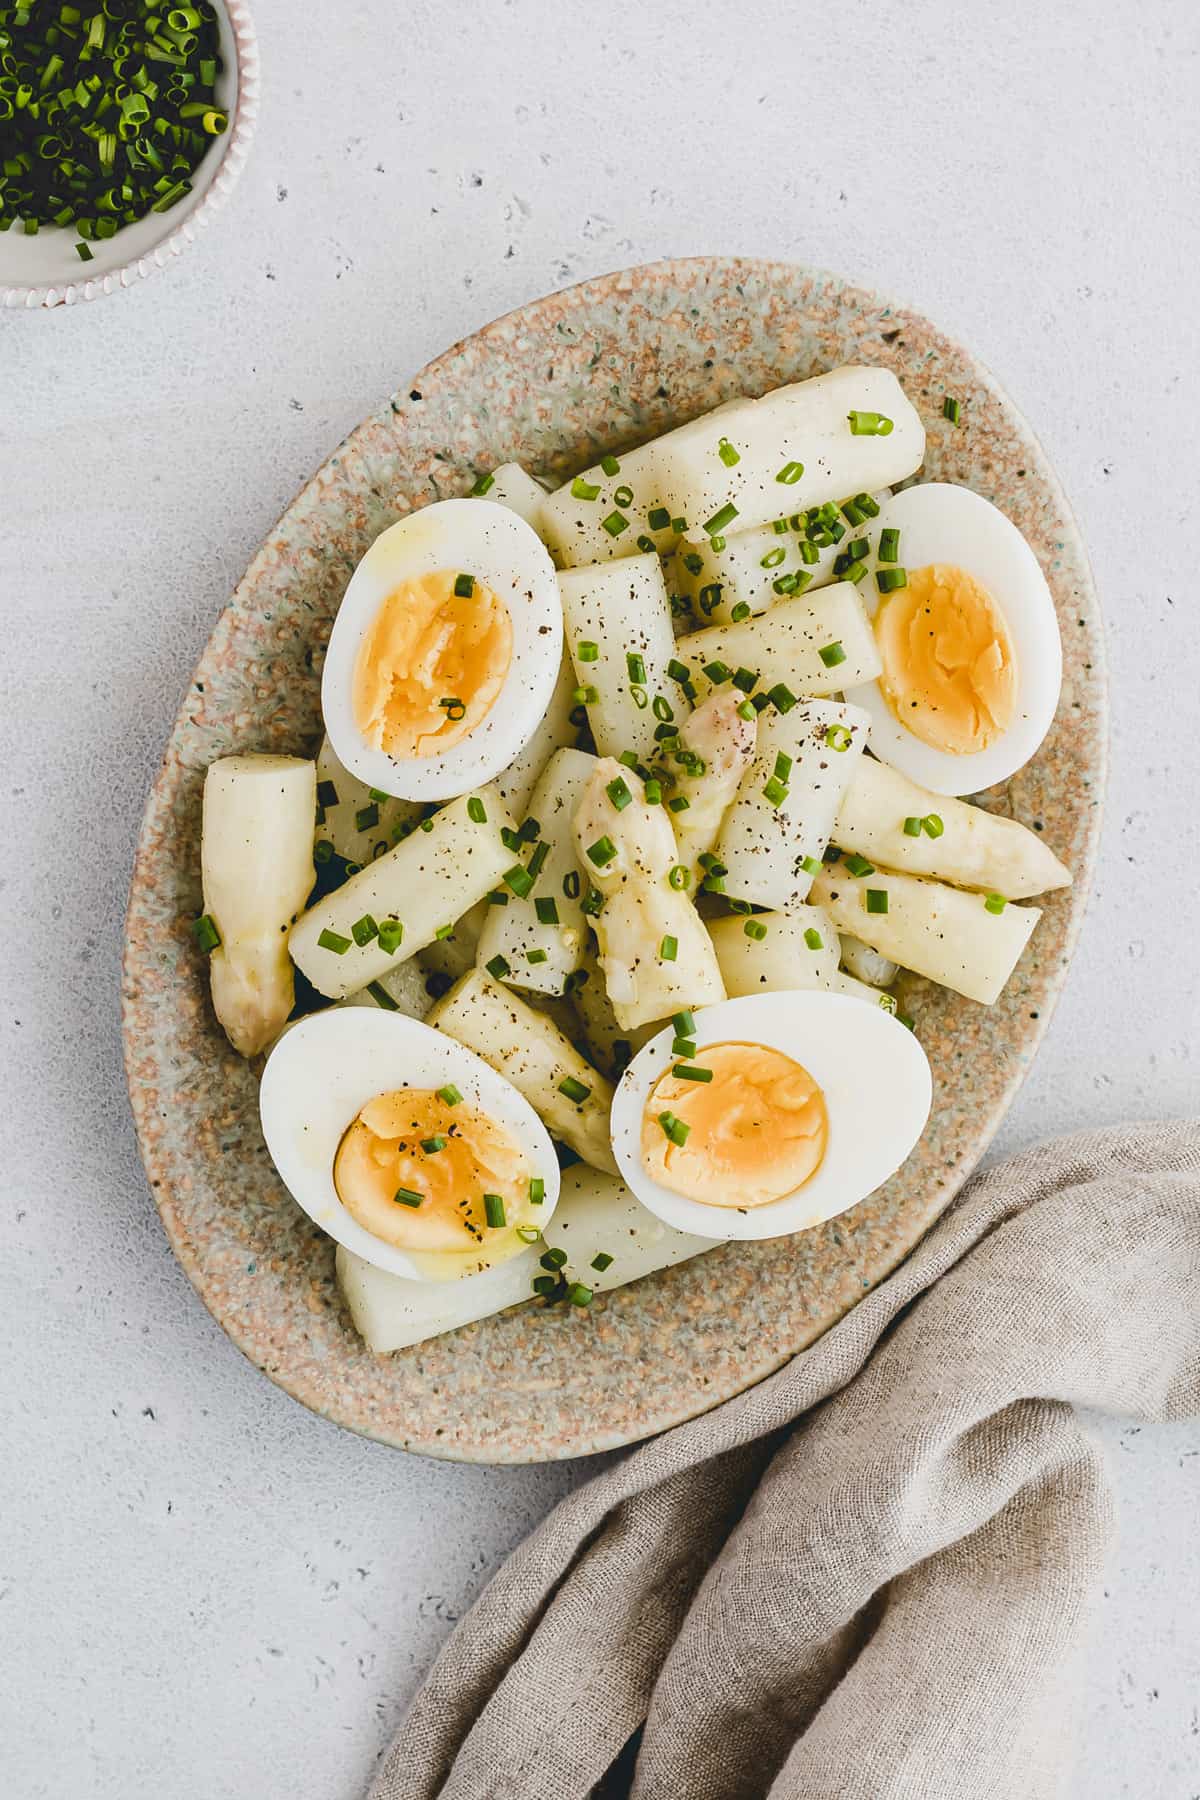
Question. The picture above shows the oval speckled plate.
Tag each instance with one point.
(600, 367)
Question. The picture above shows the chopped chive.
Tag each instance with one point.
(592, 904)
(601, 1261)
(528, 1234)
(443, 932)
(839, 737)
(790, 473)
(755, 930)
(571, 884)
(574, 1091)
(740, 611)
(496, 898)
(518, 879)
(553, 1259)
(724, 515)
(747, 710)
(727, 453)
(713, 884)
(658, 518)
(538, 860)
(464, 586)
(546, 1286)
(493, 1211)
(746, 680)
(618, 792)
(483, 485)
(583, 490)
(679, 527)
(546, 910)
(668, 950)
(333, 940)
(623, 496)
(407, 1197)
(933, 825)
(683, 1046)
(537, 1190)
(692, 563)
(773, 558)
(887, 580)
(868, 505)
(204, 930)
(381, 997)
(366, 817)
(889, 544)
(449, 1095)
(678, 671)
(850, 570)
(678, 803)
(391, 936)
(512, 840)
(610, 465)
(952, 410)
(995, 903)
(476, 810)
(586, 651)
(776, 792)
(689, 1072)
(877, 900)
(674, 1128)
(431, 1145)
(586, 696)
(832, 654)
(454, 708)
(912, 826)
(602, 852)
(639, 696)
(327, 794)
(684, 1023)
(364, 930)
(679, 876)
(498, 968)
(813, 938)
(869, 424)
(710, 595)
(718, 672)
(858, 865)
(662, 709)
(531, 830)
(615, 524)
(646, 545)
(811, 865)
(579, 1294)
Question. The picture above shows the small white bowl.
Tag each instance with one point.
(46, 270)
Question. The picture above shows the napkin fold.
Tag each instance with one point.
(867, 1577)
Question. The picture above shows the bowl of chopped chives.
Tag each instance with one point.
(124, 125)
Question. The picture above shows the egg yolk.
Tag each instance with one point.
(431, 664)
(755, 1132)
(414, 1171)
(949, 672)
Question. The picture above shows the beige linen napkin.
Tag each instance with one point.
(865, 1578)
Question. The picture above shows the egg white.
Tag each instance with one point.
(324, 1070)
(877, 1087)
(941, 523)
(495, 545)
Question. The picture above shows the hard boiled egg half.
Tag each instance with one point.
(966, 631)
(769, 1114)
(444, 652)
(404, 1146)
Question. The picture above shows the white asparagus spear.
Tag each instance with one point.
(353, 819)
(785, 645)
(426, 883)
(724, 740)
(610, 1047)
(656, 955)
(556, 732)
(777, 828)
(972, 848)
(751, 570)
(799, 950)
(792, 448)
(541, 936)
(527, 1047)
(256, 860)
(866, 964)
(597, 1215)
(619, 634)
(514, 487)
(938, 931)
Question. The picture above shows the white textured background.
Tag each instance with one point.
(205, 1593)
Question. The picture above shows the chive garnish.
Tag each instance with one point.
(869, 424)
(888, 580)
(453, 707)
(933, 825)
(366, 817)
(381, 997)
(747, 710)
(773, 558)
(877, 900)
(684, 1023)
(858, 865)
(889, 544)
(498, 968)
(322, 851)
(493, 1211)
(668, 950)
(740, 611)
(364, 930)
(790, 473)
(586, 651)
(746, 680)
(912, 825)
(586, 696)
(571, 884)
(391, 935)
(553, 1259)
(327, 794)
(755, 930)
(204, 930)
(443, 932)
(674, 1128)
(679, 876)
(615, 524)
(952, 410)
(464, 586)
(546, 910)
(483, 485)
(583, 490)
(618, 792)
(610, 465)
(639, 696)
(775, 792)
(995, 903)
(431, 1145)
(832, 654)
(662, 709)
(678, 803)
(718, 672)
(724, 515)
(575, 1091)
(813, 938)
(450, 1094)
(811, 865)
(407, 1197)
(592, 904)
(333, 940)
(528, 1234)
(519, 880)
(839, 737)
(579, 1294)
(601, 1261)
(537, 1190)
(689, 1072)
(658, 518)
(476, 810)
(535, 956)
(601, 852)
(683, 1046)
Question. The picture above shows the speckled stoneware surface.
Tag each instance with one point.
(597, 368)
